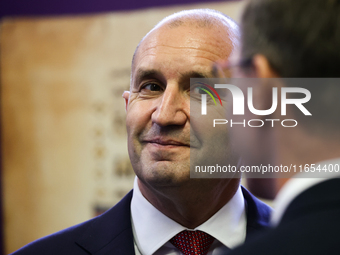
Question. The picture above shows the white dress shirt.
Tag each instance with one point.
(152, 230)
(298, 184)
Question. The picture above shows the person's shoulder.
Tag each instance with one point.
(293, 238)
(278, 241)
(96, 230)
(61, 242)
(258, 245)
(313, 232)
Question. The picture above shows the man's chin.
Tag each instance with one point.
(164, 174)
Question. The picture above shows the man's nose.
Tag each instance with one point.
(173, 108)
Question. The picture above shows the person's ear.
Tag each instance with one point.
(262, 67)
(126, 95)
(263, 94)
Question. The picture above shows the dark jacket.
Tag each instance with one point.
(310, 225)
(111, 232)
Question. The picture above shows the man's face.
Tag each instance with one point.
(158, 109)
(254, 144)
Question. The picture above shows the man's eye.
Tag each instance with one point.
(201, 90)
(152, 87)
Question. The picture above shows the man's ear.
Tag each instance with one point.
(126, 95)
(263, 94)
(263, 68)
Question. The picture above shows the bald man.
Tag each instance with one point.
(168, 212)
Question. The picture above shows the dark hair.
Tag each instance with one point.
(300, 38)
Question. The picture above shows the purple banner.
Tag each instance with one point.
(70, 7)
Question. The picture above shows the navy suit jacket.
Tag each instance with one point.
(310, 225)
(111, 232)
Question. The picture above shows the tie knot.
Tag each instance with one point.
(192, 242)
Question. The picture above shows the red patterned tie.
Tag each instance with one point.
(192, 242)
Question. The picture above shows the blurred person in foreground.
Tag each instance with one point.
(290, 39)
(167, 212)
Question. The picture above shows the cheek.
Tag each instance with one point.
(137, 118)
(202, 126)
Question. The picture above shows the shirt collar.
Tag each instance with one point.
(152, 229)
(298, 184)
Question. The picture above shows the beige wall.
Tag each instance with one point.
(63, 118)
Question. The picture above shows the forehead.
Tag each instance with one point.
(184, 47)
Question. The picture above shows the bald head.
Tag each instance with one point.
(198, 18)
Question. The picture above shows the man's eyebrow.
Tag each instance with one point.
(185, 77)
(142, 73)
(196, 74)
(152, 73)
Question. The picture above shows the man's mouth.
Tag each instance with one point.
(166, 142)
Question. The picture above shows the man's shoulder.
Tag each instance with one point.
(296, 237)
(89, 236)
(61, 242)
(296, 234)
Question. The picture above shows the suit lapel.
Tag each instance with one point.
(258, 213)
(111, 232)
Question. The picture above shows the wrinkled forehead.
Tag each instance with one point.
(216, 38)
